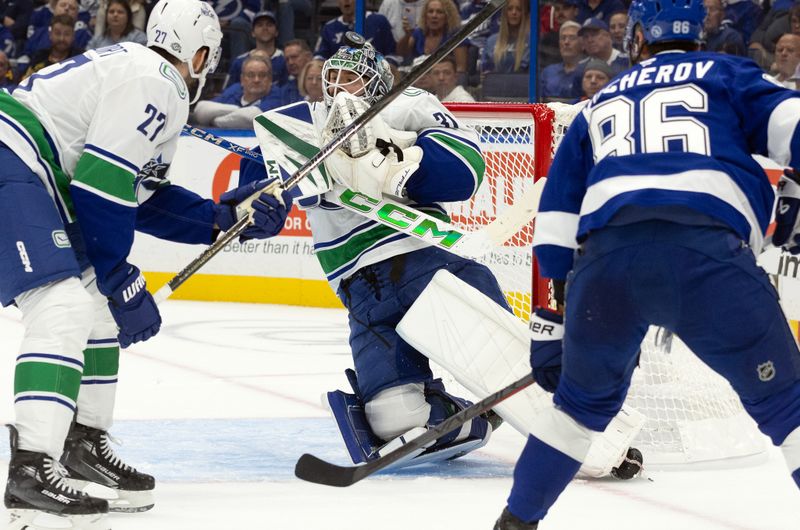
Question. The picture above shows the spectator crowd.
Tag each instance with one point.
(272, 54)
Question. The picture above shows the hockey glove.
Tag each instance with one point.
(269, 213)
(787, 220)
(132, 307)
(547, 331)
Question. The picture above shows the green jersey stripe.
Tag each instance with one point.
(106, 179)
(46, 377)
(101, 361)
(27, 119)
(470, 155)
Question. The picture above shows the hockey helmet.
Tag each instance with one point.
(360, 57)
(666, 20)
(182, 27)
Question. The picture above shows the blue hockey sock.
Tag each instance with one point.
(540, 476)
(796, 476)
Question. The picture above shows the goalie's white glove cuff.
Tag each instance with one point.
(375, 173)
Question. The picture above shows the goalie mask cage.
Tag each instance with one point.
(693, 415)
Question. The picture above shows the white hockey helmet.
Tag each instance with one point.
(360, 57)
(181, 28)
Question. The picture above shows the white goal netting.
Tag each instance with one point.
(692, 413)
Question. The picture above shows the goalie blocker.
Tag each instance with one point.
(485, 347)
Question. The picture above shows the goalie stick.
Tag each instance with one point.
(345, 134)
(313, 469)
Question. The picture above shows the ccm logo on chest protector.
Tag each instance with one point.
(133, 289)
(23, 256)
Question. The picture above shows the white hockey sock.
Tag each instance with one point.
(791, 450)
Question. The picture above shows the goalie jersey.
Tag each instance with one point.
(87, 126)
(451, 169)
(674, 108)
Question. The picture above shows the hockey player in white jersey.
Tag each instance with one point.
(654, 210)
(84, 146)
(414, 151)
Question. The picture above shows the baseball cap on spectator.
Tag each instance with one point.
(265, 14)
(593, 23)
(599, 65)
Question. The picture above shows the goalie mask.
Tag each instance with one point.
(358, 69)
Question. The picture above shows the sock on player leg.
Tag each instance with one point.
(791, 452)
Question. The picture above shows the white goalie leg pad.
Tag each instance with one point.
(57, 318)
(487, 348)
(397, 410)
(610, 446)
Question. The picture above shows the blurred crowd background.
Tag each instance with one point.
(273, 49)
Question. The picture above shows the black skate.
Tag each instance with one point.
(631, 465)
(37, 485)
(507, 521)
(89, 458)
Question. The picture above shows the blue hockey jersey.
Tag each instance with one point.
(676, 130)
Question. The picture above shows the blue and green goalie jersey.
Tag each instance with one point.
(676, 108)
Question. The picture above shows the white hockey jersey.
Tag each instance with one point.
(451, 170)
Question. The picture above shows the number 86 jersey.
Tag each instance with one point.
(671, 137)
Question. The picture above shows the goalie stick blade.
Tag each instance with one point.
(313, 469)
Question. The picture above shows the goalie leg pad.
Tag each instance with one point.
(485, 348)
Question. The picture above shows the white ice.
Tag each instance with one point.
(223, 401)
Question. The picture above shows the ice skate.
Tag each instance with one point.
(90, 460)
(38, 496)
(507, 521)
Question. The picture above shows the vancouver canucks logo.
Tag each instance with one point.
(766, 371)
(170, 73)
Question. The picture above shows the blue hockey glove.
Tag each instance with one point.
(547, 331)
(268, 212)
(132, 307)
(787, 220)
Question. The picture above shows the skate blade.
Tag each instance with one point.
(119, 501)
(37, 520)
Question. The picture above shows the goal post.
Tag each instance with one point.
(692, 413)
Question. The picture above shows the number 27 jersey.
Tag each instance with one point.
(676, 130)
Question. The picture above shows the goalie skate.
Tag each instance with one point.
(39, 497)
(90, 460)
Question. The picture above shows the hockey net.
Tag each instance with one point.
(692, 413)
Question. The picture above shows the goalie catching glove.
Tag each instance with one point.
(377, 159)
(787, 212)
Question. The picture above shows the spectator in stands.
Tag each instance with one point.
(508, 50)
(17, 17)
(265, 31)
(138, 17)
(478, 39)
(297, 54)
(599, 9)
(596, 40)
(401, 14)
(118, 26)
(721, 37)
(425, 82)
(376, 30)
(41, 16)
(241, 102)
(563, 11)
(558, 81)
(794, 19)
(616, 26)
(236, 18)
(6, 74)
(8, 44)
(787, 58)
(596, 75)
(287, 9)
(566, 10)
(39, 39)
(744, 16)
(439, 19)
(774, 24)
(445, 82)
(310, 81)
(62, 39)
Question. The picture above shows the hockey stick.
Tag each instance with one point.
(345, 134)
(313, 469)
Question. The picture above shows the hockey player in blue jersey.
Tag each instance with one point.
(377, 272)
(653, 213)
